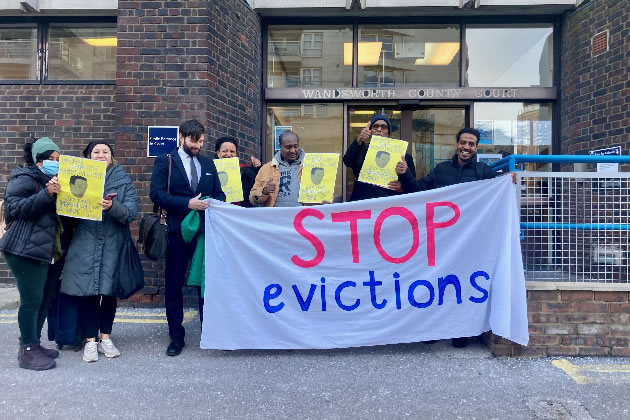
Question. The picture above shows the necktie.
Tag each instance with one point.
(194, 179)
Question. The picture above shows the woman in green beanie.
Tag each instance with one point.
(31, 243)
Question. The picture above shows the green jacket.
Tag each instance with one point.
(190, 228)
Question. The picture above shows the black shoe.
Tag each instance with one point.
(175, 348)
(459, 342)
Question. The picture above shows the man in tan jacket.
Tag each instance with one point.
(278, 182)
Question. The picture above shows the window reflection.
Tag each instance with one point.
(514, 128)
(308, 58)
(18, 53)
(514, 55)
(410, 56)
(434, 136)
(82, 53)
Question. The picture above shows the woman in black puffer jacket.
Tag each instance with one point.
(31, 243)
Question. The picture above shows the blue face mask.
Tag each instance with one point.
(50, 167)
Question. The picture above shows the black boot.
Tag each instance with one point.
(50, 353)
(459, 342)
(31, 357)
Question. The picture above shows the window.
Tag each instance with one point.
(53, 51)
(18, 53)
(514, 128)
(409, 55)
(312, 44)
(378, 78)
(81, 53)
(314, 110)
(509, 55)
(386, 41)
(311, 77)
(297, 58)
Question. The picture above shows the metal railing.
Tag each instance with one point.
(575, 226)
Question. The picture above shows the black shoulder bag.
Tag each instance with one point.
(153, 232)
(129, 272)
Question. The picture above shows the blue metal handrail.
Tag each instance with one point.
(575, 226)
(511, 161)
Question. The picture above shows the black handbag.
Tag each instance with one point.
(130, 272)
(153, 232)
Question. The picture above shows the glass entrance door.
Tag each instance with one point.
(430, 132)
(433, 136)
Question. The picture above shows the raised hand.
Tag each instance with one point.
(365, 134)
(401, 167)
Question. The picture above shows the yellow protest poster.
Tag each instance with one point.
(319, 172)
(229, 173)
(379, 167)
(82, 182)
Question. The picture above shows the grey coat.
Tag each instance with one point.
(92, 259)
(30, 210)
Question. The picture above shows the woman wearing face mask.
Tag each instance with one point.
(227, 147)
(31, 243)
(93, 256)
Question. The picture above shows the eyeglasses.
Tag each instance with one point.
(381, 126)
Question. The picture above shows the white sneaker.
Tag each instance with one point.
(90, 354)
(108, 348)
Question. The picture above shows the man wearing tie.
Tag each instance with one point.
(192, 176)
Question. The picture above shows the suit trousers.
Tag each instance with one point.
(178, 256)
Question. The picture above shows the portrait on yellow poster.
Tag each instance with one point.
(82, 182)
(229, 173)
(379, 167)
(319, 173)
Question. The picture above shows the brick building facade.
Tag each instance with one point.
(595, 90)
(177, 61)
(174, 61)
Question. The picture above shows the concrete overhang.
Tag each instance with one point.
(384, 8)
(58, 7)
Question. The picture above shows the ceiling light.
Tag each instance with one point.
(438, 54)
(101, 42)
(369, 53)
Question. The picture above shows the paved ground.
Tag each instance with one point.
(9, 297)
(400, 381)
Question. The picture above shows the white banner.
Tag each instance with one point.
(426, 266)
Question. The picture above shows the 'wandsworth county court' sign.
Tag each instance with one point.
(418, 93)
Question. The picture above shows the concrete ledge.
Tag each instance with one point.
(600, 287)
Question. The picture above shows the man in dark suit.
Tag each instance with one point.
(192, 176)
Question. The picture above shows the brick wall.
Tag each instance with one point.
(179, 60)
(235, 60)
(573, 322)
(71, 115)
(595, 91)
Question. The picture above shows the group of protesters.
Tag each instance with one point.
(51, 255)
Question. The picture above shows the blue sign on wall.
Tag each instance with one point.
(162, 139)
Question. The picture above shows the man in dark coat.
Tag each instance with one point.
(379, 125)
(463, 167)
(193, 176)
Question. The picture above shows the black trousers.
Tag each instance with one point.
(97, 314)
(178, 256)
